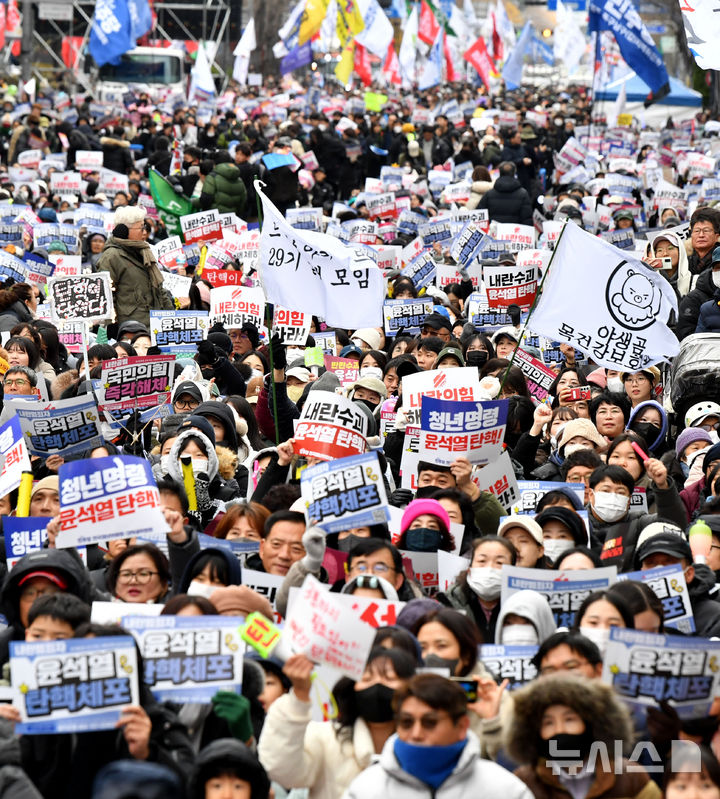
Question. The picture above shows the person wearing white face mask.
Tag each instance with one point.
(525, 620)
(613, 524)
(562, 530)
(599, 613)
(477, 592)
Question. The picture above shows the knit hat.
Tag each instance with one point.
(713, 454)
(419, 506)
(689, 436)
(526, 522)
(221, 340)
(239, 600)
(200, 423)
(584, 428)
(598, 378)
(50, 483)
(414, 610)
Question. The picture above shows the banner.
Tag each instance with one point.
(14, 454)
(608, 305)
(452, 430)
(330, 427)
(646, 669)
(318, 274)
(110, 32)
(327, 631)
(564, 590)
(344, 493)
(76, 685)
(106, 498)
(85, 298)
(59, 427)
(188, 659)
(136, 382)
(168, 328)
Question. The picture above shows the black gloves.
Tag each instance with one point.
(279, 357)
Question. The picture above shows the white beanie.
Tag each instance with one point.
(129, 215)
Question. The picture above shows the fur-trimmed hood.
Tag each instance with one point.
(597, 704)
(227, 462)
(109, 141)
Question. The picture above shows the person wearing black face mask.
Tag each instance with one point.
(425, 527)
(564, 731)
(477, 349)
(298, 752)
(649, 420)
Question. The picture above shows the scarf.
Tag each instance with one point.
(430, 764)
(148, 258)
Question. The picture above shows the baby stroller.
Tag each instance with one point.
(695, 373)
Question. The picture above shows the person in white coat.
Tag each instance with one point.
(434, 753)
(325, 757)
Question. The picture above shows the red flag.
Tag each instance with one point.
(362, 64)
(391, 67)
(497, 41)
(2, 25)
(452, 74)
(479, 57)
(12, 19)
(428, 26)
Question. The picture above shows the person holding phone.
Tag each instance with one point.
(667, 254)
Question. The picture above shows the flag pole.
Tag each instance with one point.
(532, 307)
(268, 325)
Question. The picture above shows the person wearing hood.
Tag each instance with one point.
(140, 780)
(223, 188)
(117, 155)
(699, 484)
(564, 712)
(434, 752)
(93, 247)
(196, 438)
(525, 620)
(670, 547)
(213, 357)
(227, 768)
(18, 303)
(208, 569)
(649, 420)
(507, 201)
(136, 277)
(230, 433)
(669, 245)
(708, 282)
(689, 442)
(611, 520)
(562, 530)
(45, 571)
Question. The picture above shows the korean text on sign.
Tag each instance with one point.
(345, 493)
(330, 427)
(14, 455)
(512, 663)
(82, 297)
(104, 498)
(178, 327)
(79, 685)
(236, 305)
(137, 382)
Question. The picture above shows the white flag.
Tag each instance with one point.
(702, 30)
(569, 41)
(618, 106)
(317, 274)
(407, 53)
(201, 74)
(242, 53)
(378, 31)
(606, 303)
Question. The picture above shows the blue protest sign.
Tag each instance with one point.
(669, 586)
(509, 663)
(407, 314)
(23, 534)
(77, 685)
(168, 328)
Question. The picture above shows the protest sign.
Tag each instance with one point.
(345, 493)
(305, 218)
(222, 277)
(447, 274)
(203, 226)
(266, 585)
(177, 285)
(136, 382)
(421, 269)
(88, 160)
(77, 685)
(112, 182)
(106, 498)
(330, 427)
(14, 454)
(372, 611)
(233, 306)
(513, 663)
(59, 427)
(168, 328)
(407, 315)
(452, 430)
(445, 384)
(532, 491)
(169, 252)
(65, 265)
(318, 274)
(115, 612)
(450, 567)
(423, 567)
(508, 285)
(13, 267)
(669, 586)
(646, 669)
(188, 659)
(346, 369)
(498, 478)
(66, 183)
(23, 534)
(86, 298)
(327, 631)
(522, 237)
(469, 243)
(293, 327)
(326, 341)
(609, 306)
(538, 377)
(564, 590)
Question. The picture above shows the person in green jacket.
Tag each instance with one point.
(224, 188)
(136, 277)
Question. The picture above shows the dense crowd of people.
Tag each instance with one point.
(428, 717)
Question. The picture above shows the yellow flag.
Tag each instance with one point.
(349, 21)
(312, 19)
(345, 65)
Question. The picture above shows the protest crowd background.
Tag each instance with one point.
(360, 424)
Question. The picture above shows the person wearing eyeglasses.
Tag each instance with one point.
(568, 652)
(139, 574)
(434, 752)
(20, 381)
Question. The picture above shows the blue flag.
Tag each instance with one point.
(111, 32)
(432, 70)
(298, 57)
(140, 18)
(512, 71)
(635, 43)
(540, 51)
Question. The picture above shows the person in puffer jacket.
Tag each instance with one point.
(223, 188)
(442, 762)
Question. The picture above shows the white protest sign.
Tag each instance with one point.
(330, 427)
(499, 479)
(14, 456)
(450, 567)
(446, 384)
(236, 305)
(81, 298)
(293, 327)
